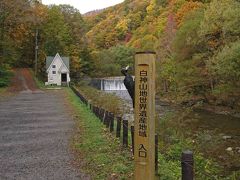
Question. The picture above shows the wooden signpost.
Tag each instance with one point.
(144, 120)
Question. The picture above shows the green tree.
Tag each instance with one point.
(109, 62)
(56, 32)
(226, 64)
(86, 61)
(187, 41)
(123, 55)
(73, 19)
(221, 23)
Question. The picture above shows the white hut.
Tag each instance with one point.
(58, 70)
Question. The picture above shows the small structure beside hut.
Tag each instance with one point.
(58, 70)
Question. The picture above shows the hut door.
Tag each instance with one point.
(64, 77)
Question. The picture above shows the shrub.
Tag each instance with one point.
(4, 77)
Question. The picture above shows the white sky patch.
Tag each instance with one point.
(84, 5)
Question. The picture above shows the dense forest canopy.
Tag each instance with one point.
(197, 41)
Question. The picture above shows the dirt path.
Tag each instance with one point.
(35, 131)
(22, 81)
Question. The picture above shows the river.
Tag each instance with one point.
(217, 135)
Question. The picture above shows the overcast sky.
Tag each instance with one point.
(84, 5)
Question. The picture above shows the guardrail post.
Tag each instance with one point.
(101, 114)
(111, 122)
(132, 135)
(125, 133)
(106, 119)
(97, 112)
(118, 132)
(187, 165)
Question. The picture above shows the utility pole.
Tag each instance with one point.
(36, 51)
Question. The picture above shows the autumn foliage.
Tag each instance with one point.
(189, 37)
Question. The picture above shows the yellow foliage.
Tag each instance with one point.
(151, 7)
(122, 25)
(185, 10)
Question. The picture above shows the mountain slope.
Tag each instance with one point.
(188, 35)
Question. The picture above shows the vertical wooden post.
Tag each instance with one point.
(144, 123)
(101, 114)
(97, 111)
(187, 165)
(118, 133)
(105, 117)
(111, 122)
(132, 136)
(125, 133)
(108, 120)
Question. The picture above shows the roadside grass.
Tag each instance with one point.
(101, 153)
(108, 101)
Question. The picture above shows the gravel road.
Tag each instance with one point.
(35, 131)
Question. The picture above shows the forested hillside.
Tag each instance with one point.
(197, 42)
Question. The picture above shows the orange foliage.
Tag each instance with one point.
(185, 10)
(19, 33)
